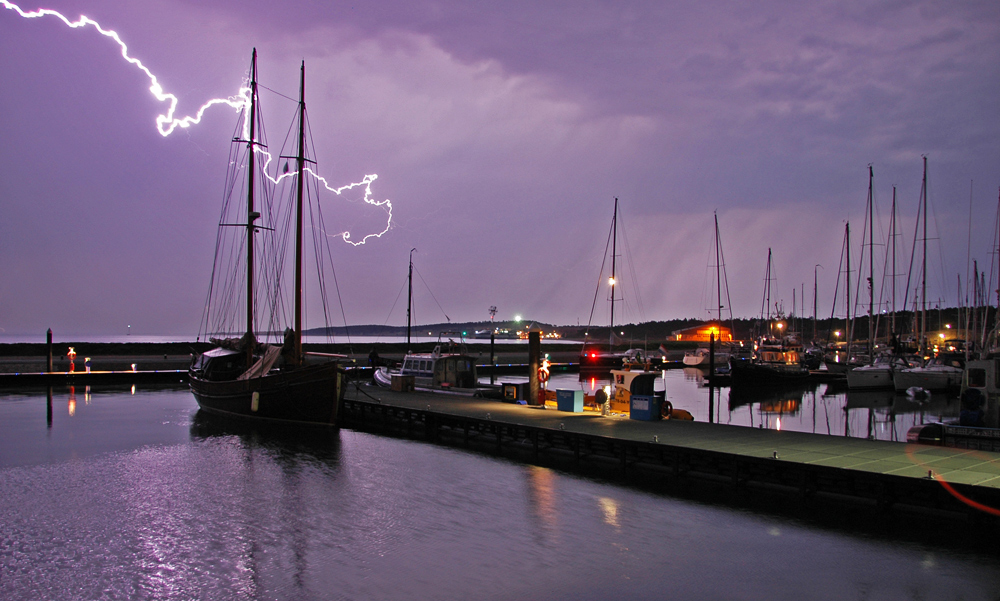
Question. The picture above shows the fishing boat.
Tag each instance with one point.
(437, 370)
(440, 369)
(244, 377)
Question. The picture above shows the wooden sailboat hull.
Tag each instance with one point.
(311, 394)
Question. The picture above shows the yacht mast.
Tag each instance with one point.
(923, 281)
(614, 244)
(871, 266)
(892, 237)
(300, 160)
(409, 300)
(848, 334)
(718, 270)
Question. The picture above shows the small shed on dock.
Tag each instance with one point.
(702, 333)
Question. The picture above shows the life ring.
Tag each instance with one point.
(667, 409)
(543, 375)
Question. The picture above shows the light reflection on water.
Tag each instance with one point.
(140, 497)
(823, 408)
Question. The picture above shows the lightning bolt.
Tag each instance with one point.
(168, 122)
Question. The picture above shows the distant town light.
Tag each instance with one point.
(517, 318)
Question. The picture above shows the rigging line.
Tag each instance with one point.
(600, 277)
(913, 253)
(333, 271)
(729, 302)
(937, 235)
(836, 287)
(260, 85)
(641, 313)
(432, 294)
(389, 316)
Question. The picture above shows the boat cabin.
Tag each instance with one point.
(219, 364)
(983, 375)
(447, 371)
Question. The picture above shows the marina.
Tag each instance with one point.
(184, 505)
(701, 424)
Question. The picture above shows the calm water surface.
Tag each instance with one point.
(817, 408)
(135, 495)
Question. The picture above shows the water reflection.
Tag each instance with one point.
(821, 408)
(152, 500)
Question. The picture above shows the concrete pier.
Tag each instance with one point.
(879, 475)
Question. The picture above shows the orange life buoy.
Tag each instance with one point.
(667, 410)
(543, 375)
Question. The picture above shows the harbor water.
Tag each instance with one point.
(131, 493)
(818, 408)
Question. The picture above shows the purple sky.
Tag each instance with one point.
(501, 132)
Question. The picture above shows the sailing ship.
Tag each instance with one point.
(243, 377)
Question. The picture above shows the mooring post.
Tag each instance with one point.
(48, 342)
(493, 357)
(711, 377)
(48, 404)
(534, 362)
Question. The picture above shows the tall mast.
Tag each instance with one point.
(718, 270)
(923, 281)
(871, 266)
(300, 160)
(409, 300)
(847, 245)
(614, 250)
(251, 214)
(892, 237)
(815, 302)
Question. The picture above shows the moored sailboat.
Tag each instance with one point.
(243, 377)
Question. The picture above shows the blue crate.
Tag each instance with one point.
(569, 400)
(644, 408)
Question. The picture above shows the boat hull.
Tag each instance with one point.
(933, 380)
(311, 394)
(749, 374)
(870, 378)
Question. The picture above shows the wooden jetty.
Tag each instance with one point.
(85, 378)
(875, 474)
